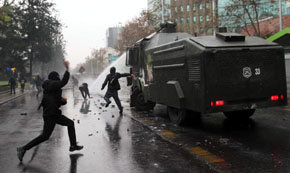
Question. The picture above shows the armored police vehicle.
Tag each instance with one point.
(227, 73)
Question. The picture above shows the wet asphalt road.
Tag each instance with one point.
(145, 141)
(112, 143)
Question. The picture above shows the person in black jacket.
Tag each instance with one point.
(112, 80)
(52, 115)
(12, 83)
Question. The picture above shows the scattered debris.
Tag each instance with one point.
(128, 130)
(90, 134)
(224, 140)
(98, 118)
(97, 131)
(100, 107)
(78, 121)
(73, 119)
(102, 104)
(112, 106)
(113, 116)
(23, 113)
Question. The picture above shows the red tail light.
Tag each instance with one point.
(281, 97)
(275, 97)
(219, 103)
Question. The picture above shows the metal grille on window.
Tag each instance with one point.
(194, 70)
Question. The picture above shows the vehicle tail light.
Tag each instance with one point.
(275, 97)
(281, 96)
(219, 103)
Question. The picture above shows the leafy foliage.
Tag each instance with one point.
(29, 32)
(135, 30)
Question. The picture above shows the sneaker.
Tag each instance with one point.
(121, 111)
(76, 147)
(20, 153)
(108, 104)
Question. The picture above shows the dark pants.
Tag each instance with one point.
(84, 92)
(49, 124)
(113, 94)
(22, 87)
(12, 88)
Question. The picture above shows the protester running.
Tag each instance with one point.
(112, 80)
(52, 115)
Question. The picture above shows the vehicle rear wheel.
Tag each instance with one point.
(176, 115)
(241, 114)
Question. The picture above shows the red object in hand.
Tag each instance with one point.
(64, 98)
(66, 64)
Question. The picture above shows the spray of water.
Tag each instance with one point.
(95, 88)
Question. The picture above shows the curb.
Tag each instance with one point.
(210, 166)
(7, 100)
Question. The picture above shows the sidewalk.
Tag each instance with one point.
(6, 96)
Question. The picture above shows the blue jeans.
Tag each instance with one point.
(113, 94)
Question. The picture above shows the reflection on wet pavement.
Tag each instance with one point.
(85, 107)
(74, 162)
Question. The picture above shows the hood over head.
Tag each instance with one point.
(53, 76)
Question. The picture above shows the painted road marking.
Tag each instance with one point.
(168, 134)
(209, 157)
(148, 122)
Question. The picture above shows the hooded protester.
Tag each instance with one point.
(52, 115)
(112, 80)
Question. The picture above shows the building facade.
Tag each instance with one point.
(193, 16)
(200, 17)
(112, 36)
(230, 12)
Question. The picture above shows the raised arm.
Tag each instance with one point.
(64, 80)
(124, 75)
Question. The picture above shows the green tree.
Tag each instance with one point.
(12, 45)
(39, 28)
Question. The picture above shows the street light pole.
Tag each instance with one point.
(280, 15)
(214, 16)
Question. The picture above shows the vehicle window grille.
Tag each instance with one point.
(194, 69)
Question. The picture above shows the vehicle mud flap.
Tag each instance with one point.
(176, 97)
